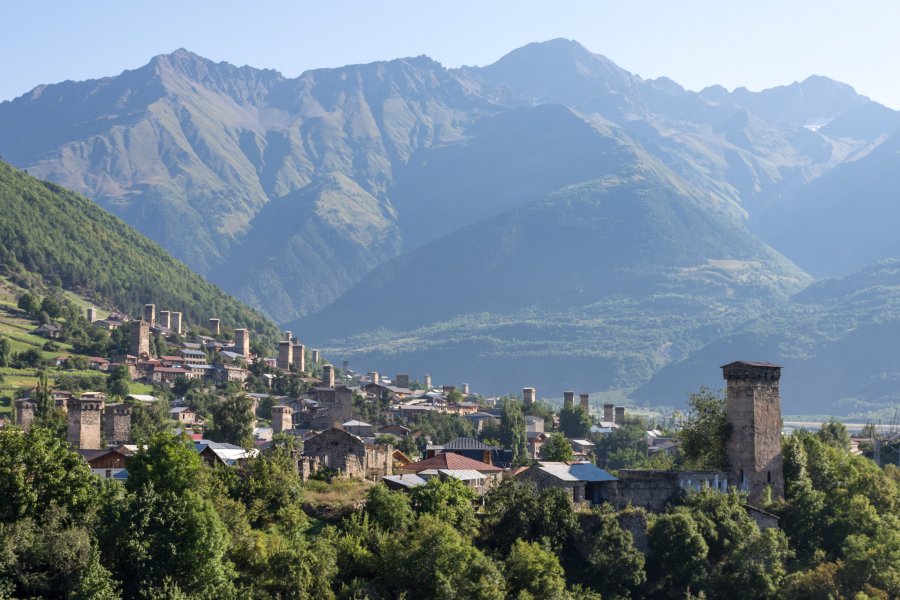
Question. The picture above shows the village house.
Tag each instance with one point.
(478, 475)
(358, 428)
(184, 415)
(474, 449)
(216, 453)
(347, 455)
(583, 481)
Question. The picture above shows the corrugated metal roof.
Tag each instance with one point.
(464, 443)
(581, 471)
(463, 474)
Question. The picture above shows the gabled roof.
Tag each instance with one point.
(451, 460)
(579, 471)
(464, 443)
(407, 480)
(355, 423)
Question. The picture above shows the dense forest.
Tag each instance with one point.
(178, 528)
(74, 244)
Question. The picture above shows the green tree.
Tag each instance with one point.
(168, 463)
(43, 397)
(518, 510)
(53, 306)
(630, 435)
(5, 351)
(512, 432)
(233, 421)
(704, 435)
(834, 433)
(388, 510)
(557, 448)
(148, 419)
(533, 572)
(271, 489)
(118, 382)
(450, 500)
(29, 303)
(677, 563)
(614, 566)
(574, 422)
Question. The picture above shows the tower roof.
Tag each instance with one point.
(750, 363)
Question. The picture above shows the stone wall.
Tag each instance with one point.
(117, 424)
(84, 423)
(140, 339)
(25, 413)
(339, 450)
(282, 418)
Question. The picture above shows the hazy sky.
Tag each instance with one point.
(755, 43)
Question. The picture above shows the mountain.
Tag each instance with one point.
(206, 157)
(838, 340)
(67, 240)
(594, 286)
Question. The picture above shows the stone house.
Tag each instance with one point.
(347, 454)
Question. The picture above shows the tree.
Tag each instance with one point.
(704, 436)
(615, 566)
(271, 489)
(118, 382)
(557, 448)
(677, 562)
(148, 419)
(5, 351)
(834, 433)
(512, 432)
(630, 435)
(449, 500)
(29, 303)
(53, 306)
(168, 463)
(518, 510)
(233, 421)
(388, 510)
(43, 397)
(532, 570)
(575, 422)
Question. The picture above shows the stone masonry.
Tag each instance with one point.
(282, 418)
(529, 395)
(84, 423)
(117, 424)
(753, 410)
(140, 339)
(285, 355)
(25, 413)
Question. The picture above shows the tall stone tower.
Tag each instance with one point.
(327, 376)
(91, 314)
(282, 419)
(753, 410)
(117, 424)
(242, 342)
(215, 325)
(150, 314)
(427, 381)
(300, 357)
(401, 380)
(585, 400)
(285, 355)
(314, 357)
(609, 414)
(619, 414)
(569, 400)
(176, 322)
(84, 423)
(529, 395)
(140, 339)
(165, 318)
(25, 413)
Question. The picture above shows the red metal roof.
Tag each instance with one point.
(451, 460)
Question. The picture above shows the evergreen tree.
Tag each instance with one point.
(512, 432)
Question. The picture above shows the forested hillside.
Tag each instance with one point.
(65, 240)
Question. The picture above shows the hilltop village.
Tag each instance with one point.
(366, 426)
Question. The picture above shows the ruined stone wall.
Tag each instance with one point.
(117, 424)
(379, 460)
(337, 449)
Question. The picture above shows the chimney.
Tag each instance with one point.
(402, 380)
(91, 314)
(427, 381)
(165, 318)
(176, 323)
(150, 314)
(569, 400)
(327, 375)
(374, 377)
(465, 389)
(215, 325)
(609, 415)
(529, 395)
(285, 355)
(585, 403)
(620, 414)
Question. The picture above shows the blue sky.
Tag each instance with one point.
(756, 44)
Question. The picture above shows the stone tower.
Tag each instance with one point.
(117, 424)
(215, 325)
(287, 335)
(609, 414)
(465, 389)
(91, 314)
(529, 395)
(25, 413)
(285, 355)
(619, 414)
(569, 400)
(242, 342)
(327, 376)
(300, 357)
(374, 377)
(150, 314)
(585, 403)
(427, 381)
(165, 318)
(402, 380)
(176, 322)
(282, 419)
(140, 339)
(84, 423)
(753, 410)
(314, 357)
